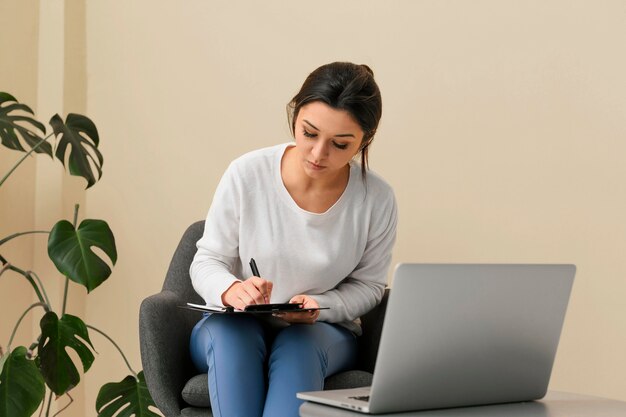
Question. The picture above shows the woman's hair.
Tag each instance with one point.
(343, 86)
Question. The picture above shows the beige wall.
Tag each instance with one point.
(18, 76)
(503, 135)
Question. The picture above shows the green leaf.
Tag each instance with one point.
(22, 387)
(78, 133)
(130, 395)
(71, 251)
(55, 364)
(13, 126)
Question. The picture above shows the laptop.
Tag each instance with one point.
(458, 335)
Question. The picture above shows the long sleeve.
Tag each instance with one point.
(363, 289)
(212, 269)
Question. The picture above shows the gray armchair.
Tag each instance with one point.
(164, 330)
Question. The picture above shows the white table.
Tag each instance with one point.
(555, 404)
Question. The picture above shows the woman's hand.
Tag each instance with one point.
(304, 317)
(254, 290)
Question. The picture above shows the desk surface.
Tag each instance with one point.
(555, 404)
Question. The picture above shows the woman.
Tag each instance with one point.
(321, 229)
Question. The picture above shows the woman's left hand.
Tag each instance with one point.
(304, 317)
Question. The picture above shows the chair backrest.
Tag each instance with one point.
(177, 279)
(164, 329)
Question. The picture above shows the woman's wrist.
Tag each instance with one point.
(224, 296)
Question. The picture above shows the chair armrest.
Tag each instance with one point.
(164, 331)
(372, 326)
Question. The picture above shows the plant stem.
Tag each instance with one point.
(43, 289)
(5, 266)
(67, 280)
(35, 344)
(118, 348)
(14, 235)
(43, 404)
(67, 405)
(19, 321)
(67, 285)
(27, 275)
(49, 403)
(76, 206)
(24, 157)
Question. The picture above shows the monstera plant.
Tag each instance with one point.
(28, 372)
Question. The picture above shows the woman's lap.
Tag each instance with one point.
(243, 353)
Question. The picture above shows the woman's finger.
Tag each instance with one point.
(264, 288)
(304, 317)
(250, 295)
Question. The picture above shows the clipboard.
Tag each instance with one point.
(274, 308)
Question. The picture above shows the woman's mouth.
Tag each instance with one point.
(315, 166)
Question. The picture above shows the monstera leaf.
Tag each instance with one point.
(71, 251)
(14, 124)
(130, 394)
(55, 364)
(21, 385)
(80, 135)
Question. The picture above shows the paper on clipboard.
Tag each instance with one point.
(206, 308)
(222, 310)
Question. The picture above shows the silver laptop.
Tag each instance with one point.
(463, 334)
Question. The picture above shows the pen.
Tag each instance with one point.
(255, 270)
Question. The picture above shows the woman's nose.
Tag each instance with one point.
(320, 149)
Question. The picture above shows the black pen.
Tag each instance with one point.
(255, 270)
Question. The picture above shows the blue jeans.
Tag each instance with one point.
(256, 368)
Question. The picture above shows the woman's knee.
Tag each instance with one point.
(321, 343)
(225, 333)
(298, 338)
(232, 328)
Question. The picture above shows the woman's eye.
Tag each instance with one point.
(308, 134)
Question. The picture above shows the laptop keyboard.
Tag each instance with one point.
(365, 398)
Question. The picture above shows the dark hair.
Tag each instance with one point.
(343, 86)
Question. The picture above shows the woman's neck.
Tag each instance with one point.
(312, 194)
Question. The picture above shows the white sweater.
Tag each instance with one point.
(340, 257)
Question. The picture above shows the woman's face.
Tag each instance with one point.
(326, 139)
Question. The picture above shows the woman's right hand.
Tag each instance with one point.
(254, 290)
